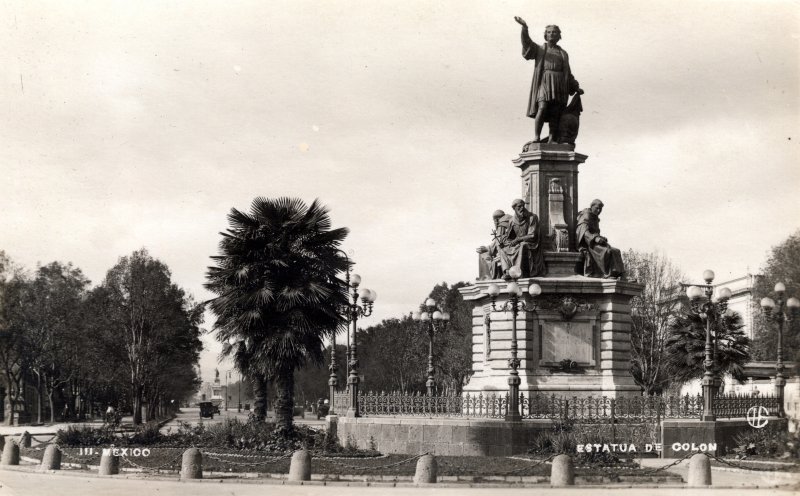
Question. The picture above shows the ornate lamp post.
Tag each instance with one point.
(333, 380)
(786, 310)
(431, 320)
(711, 311)
(515, 306)
(353, 311)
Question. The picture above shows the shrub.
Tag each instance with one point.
(146, 434)
(770, 442)
(251, 435)
(565, 437)
(85, 436)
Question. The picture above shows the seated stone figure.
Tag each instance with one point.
(601, 259)
(491, 264)
(524, 244)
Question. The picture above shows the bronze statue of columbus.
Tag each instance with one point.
(552, 80)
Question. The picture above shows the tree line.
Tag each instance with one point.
(393, 354)
(131, 341)
(668, 340)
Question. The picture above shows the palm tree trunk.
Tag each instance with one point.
(284, 401)
(260, 400)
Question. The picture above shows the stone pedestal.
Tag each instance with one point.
(540, 164)
(575, 342)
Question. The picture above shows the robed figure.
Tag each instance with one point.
(493, 260)
(602, 260)
(524, 244)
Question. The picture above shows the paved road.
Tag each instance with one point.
(731, 478)
(19, 483)
(191, 415)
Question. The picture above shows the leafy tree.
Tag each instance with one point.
(393, 355)
(154, 320)
(311, 382)
(177, 350)
(50, 314)
(453, 346)
(12, 350)
(783, 265)
(685, 347)
(277, 291)
(103, 371)
(651, 315)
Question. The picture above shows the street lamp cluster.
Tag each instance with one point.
(780, 312)
(351, 311)
(515, 305)
(711, 310)
(431, 320)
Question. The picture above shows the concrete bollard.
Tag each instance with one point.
(426, 470)
(192, 464)
(52, 458)
(562, 472)
(25, 440)
(10, 454)
(300, 467)
(109, 463)
(699, 471)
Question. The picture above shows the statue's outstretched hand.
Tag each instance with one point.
(521, 21)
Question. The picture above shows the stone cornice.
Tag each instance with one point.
(557, 285)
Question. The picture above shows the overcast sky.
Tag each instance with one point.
(140, 124)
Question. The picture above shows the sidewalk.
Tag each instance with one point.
(22, 483)
(15, 430)
(722, 476)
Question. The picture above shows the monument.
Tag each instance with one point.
(217, 390)
(573, 339)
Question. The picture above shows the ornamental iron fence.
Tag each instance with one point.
(341, 402)
(590, 409)
(737, 405)
(601, 409)
(490, 405)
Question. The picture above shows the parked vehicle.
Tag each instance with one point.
(207, 409)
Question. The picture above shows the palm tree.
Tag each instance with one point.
(685, 347)
(277, 291)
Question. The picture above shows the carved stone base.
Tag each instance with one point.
(562, 264)
(540, 164)
(581, 319)
(532, 146)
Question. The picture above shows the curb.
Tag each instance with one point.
(276, 482)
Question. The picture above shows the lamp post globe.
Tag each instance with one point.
(431, 320)
(780, 311)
